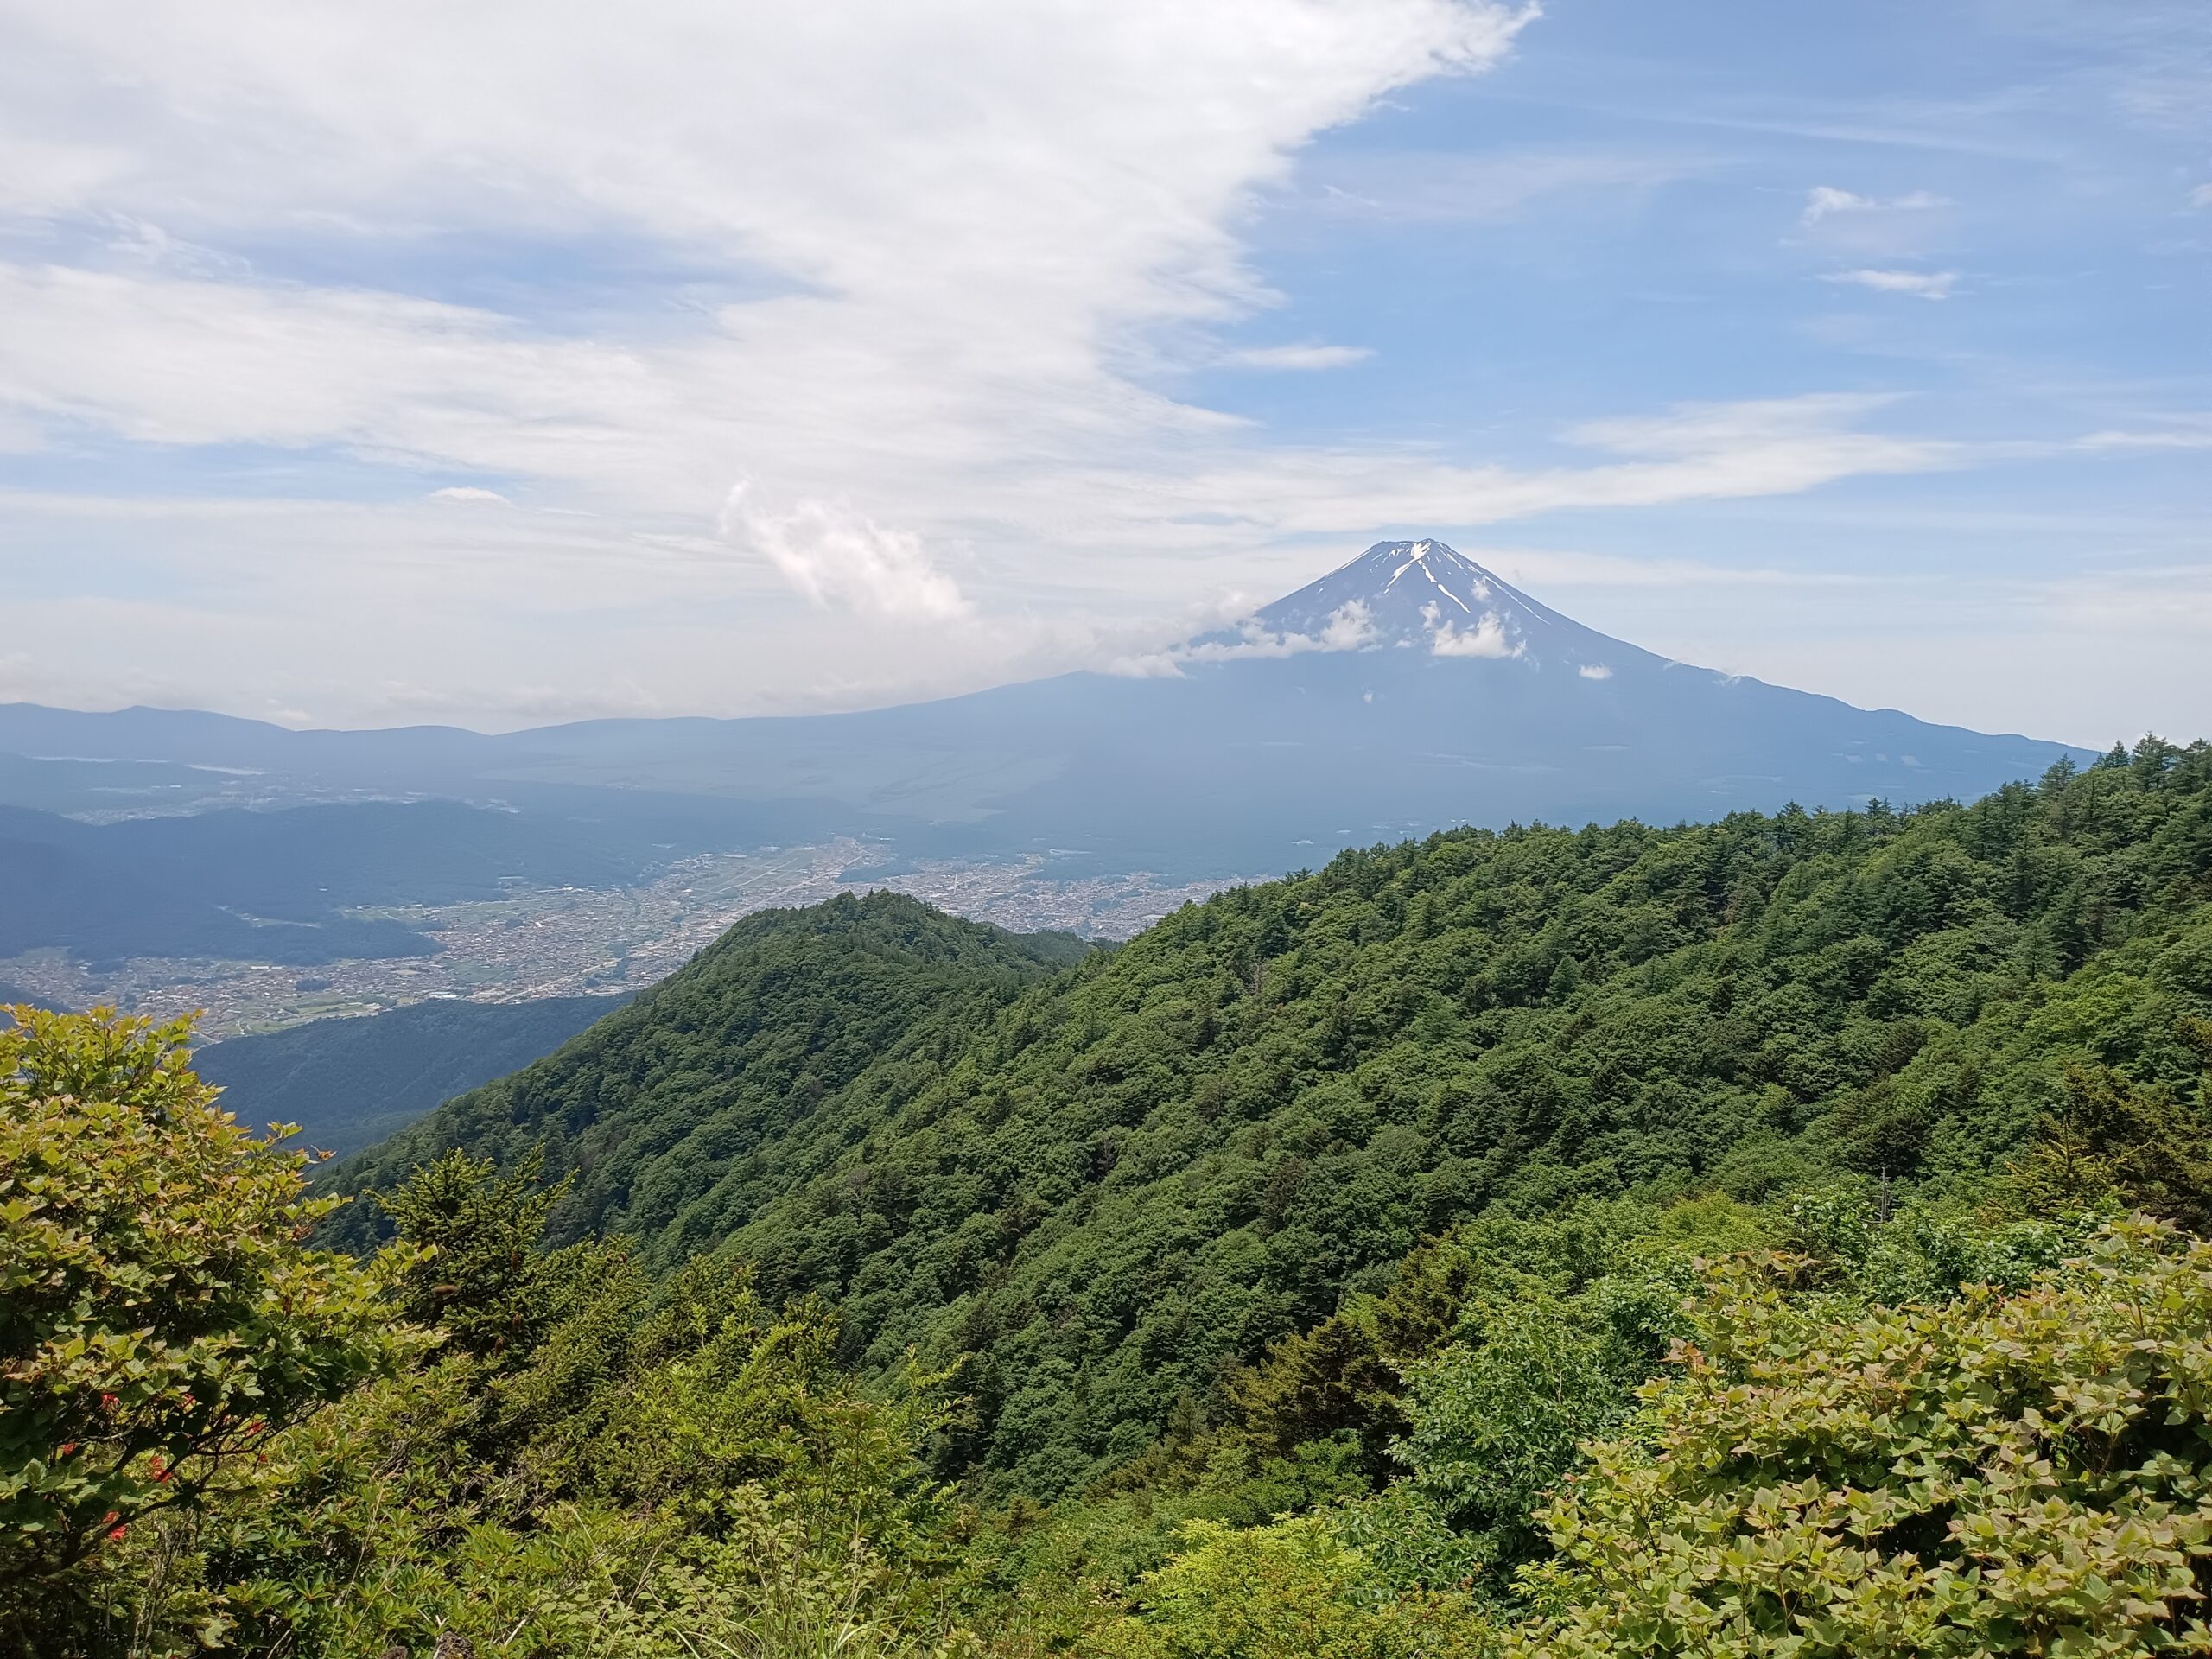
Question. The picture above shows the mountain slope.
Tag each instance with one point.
(678, 1092)
(1111, 1185)
(1407, 691)
(351, 1083)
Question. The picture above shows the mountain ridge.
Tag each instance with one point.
(1111, 1185)
(1406, 690)
(782, 1011)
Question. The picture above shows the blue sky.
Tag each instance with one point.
(502, 365)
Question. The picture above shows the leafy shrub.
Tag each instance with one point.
(1291, 1590)
(2023, 1472)
(159, 1319)
(595, 1465)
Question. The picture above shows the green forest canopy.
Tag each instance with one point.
(1109, 1183)
(1820, 1427)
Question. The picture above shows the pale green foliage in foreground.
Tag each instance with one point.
(159, 1319)
(1290, 1591)
(1817, 1474)
(213, 1439)
(2023, 1473)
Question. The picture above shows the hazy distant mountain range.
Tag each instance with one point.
(1407, 691)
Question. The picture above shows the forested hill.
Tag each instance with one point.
(716, 1064)
(1110, 1186)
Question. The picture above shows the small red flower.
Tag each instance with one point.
(115, 1534)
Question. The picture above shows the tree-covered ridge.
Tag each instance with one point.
(686, 1083)
(1841, 1421)
(1112, 1187)
(1163, 1164)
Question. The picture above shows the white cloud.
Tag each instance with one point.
(1595, 671)
(2202, 196)
(922, 291)
(920, 310)
(181, 361)
(469, 493)
(1923, 284)
(39, 176)
(833, 554)
(1253, 642)
(1297, 357)
(1351, 628)
(1488, 637)
(1143, 665)
(1825, 201)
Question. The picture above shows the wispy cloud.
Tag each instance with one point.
(405, 591)
(2197, 437)
(1922, 284)
(1825, 201)
(1297, 357)
(959, 249)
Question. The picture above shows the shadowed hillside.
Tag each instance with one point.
(349, 1083)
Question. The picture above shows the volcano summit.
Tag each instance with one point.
(1427, 597)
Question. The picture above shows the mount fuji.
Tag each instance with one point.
(1407, 691)
(1421, 596)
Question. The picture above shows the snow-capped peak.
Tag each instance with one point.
(1419, 596)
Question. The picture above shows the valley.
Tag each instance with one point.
(537, 943)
